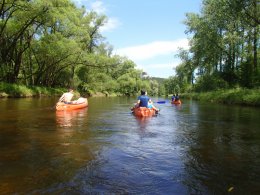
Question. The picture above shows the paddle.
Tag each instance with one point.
(161, 102)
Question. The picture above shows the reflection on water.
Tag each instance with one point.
(142, 122)
(187, 149)
(69, 118)
(177, 106)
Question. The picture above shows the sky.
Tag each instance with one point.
(148, 32)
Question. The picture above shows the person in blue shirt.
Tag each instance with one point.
(177, 97)
(150, 105)
(173, 97)
(144, 101)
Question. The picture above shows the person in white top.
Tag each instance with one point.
(66, 97)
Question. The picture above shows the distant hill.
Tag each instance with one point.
(158, 79)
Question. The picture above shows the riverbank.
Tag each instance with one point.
(15, 90)
(19, 91)
(248, 97)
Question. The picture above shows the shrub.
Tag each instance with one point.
(210, 83)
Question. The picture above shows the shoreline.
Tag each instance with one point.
(238, 96)
(243, 97)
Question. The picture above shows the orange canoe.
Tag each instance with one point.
(176, 102)
(80, 103)
(143, 111)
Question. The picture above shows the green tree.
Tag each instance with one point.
(224, 43)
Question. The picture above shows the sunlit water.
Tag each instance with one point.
(189, 149)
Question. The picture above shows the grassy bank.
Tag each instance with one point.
(15, 90)
(249, 97)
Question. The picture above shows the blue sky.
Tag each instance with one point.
(149, 32)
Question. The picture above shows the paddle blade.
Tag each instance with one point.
(161, 102)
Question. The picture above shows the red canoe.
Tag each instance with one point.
(176, 102)
(80, 103)
(143, 111)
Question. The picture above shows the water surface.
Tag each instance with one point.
(194, 148)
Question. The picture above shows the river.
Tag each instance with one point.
(195, 148)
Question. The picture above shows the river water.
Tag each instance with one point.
(194, 148)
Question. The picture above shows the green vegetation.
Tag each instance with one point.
(223, 54)
(248, 97)
(48, 46)
(54, 44)
(15, 90)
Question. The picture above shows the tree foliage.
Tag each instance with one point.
(53, 43)
(224, 46)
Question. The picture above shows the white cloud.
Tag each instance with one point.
(80, 2)
(153, 49)
(98, 7)
(161, 65)
(112, 23)
(162, 71)
(159, 69)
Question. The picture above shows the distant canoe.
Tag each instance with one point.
(176, 102)
(80, 103)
